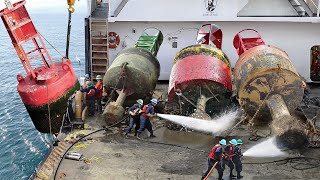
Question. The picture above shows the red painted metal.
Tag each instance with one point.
(21, 30)
(44, 83)
(39, 93)
(243, 44)
(199, 68)
(213, 35)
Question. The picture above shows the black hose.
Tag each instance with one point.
(56, 171)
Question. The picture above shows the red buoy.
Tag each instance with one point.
(201, 76)
(46, 89)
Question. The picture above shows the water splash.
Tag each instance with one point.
(214, 126)
(267, 148)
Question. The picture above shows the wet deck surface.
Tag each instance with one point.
(171, 155)
(109, 155)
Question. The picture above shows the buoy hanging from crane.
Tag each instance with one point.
(45, 89)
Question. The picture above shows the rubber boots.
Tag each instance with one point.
(231, 175)
(239, 175)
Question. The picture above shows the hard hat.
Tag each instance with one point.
(233, 141)
(239, 141)
(154, 100)
(223, 142)
(88, 83)
(140, 101)
(87, 76)
(99, 77)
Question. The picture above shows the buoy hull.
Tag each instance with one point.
(201, 70)
(263, 69)
(36, 97)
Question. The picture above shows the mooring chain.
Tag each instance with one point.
(311, 126)
(179, 93)
(122, 76)
(251, 123)
(213, 95)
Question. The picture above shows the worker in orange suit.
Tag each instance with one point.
(90, 91)
(99, 87)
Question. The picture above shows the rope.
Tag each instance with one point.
(50, 44)
(50, 128)
(63, 156)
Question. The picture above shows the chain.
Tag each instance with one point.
(310, 122)
(122, 76)
(213, 95)
(251, 123)
(188, 100)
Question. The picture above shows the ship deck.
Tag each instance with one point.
(171, 155)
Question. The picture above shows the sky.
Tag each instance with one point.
(50, 6)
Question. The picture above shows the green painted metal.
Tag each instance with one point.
(150, 43)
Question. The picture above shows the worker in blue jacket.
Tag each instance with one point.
(228, 155)
(147, 112)
(237, 158)
(134, 117)
(90, 91)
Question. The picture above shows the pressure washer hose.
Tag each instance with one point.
(123, 119)
(215, 164)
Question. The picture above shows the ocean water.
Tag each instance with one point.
(22, 146)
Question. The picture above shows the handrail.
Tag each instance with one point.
(316, 6)
(318, 9)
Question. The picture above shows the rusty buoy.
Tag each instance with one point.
(134, 74)
(269, 88)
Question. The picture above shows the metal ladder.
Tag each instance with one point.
(98, 46)
(301, 7)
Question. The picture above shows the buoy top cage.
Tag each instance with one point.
(21, 30)
(244, 40)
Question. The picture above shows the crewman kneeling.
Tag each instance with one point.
(216, 156)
